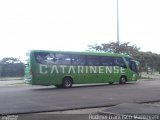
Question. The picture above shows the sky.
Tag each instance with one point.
(72, 25)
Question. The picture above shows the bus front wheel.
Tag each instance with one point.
(67, 82)
(123, 80)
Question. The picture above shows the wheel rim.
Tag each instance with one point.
(123, 80)
(67, 83)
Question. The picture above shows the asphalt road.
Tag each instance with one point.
(28, 99)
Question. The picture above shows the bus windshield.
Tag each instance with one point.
(133, 66)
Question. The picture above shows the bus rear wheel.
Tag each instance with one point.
(67, 82)
(122, 80)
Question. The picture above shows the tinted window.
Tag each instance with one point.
(106, 61)
(44, 58)
(78, 60)
(93, 60)
(51, 58)
(118, 61)
(62, 59)
(132, 66)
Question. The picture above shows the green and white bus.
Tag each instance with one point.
(63, 69)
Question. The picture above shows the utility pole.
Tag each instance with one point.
(117, 24)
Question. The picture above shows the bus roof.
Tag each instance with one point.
(83, 53)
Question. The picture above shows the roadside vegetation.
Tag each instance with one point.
(11, 67)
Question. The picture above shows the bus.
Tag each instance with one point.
(63, 68)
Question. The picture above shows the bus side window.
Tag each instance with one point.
(50, 59)
(40, 57)
(78, 60)
(118, 61)
(93, 61)
(63, 59)
(106, 61)
(44, 58)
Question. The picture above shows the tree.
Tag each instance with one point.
(150, 60)
(11, 60)
(11, 67)
(115, 47)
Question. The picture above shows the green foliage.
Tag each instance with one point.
(11, 60)
(149, 60)
(11, 67)
(115, 47)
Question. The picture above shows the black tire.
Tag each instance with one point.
(67, 82)
(122, 80)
